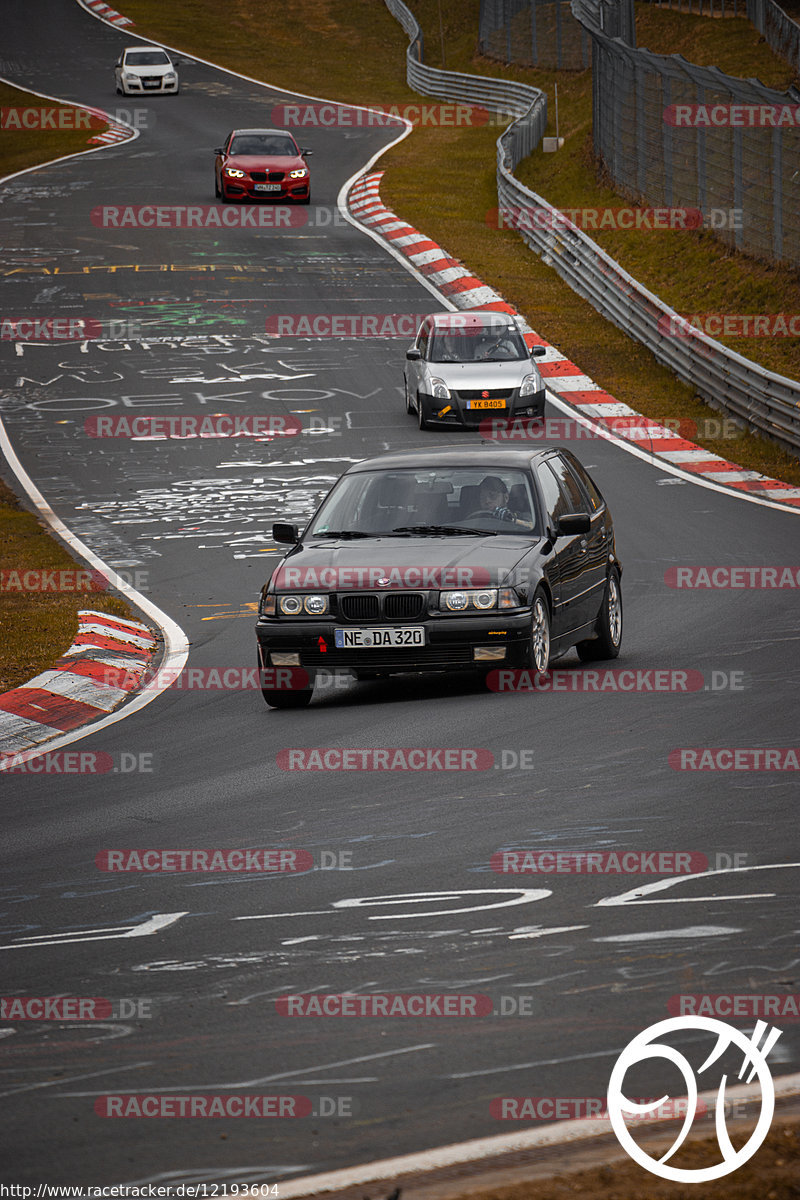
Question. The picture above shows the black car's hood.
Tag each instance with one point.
(407, 562)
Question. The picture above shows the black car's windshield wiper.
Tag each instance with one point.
(343, 533)
(443, 530)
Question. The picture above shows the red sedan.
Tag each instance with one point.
(261, 164)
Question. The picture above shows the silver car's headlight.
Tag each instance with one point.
(439, 389)
(530, 384)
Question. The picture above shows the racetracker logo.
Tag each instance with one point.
(611, 680)
(750, 1007)
(385, 578)
(389, 759)
(199, 216)
(49, 118)
(342, 116)
(736, 578)
(640, 219)
(743, 116)
(731, 325)
(566, 429)
(50, 329)
(351, 1004)
(339, 325)
(170, 862)
(217, 425)
(591, 862)
(203, 1106)
(735, 758)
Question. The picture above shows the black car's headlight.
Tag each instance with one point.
(313, 605)
(266, 605)
(478, 600)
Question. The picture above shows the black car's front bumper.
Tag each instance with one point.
(450, 643)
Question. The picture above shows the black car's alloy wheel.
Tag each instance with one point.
(609, 639)
(539, 652)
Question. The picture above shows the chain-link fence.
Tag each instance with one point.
(680, 135)
(780, 31)
(534, 33)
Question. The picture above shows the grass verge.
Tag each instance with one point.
(37, 627)
(354, 50)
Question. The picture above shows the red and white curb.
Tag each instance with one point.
(101, 9)
(104, 665)
(572, 387)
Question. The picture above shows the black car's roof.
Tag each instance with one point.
(454, 456)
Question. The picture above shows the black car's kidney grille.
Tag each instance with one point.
(406, 606)
(359, 608)
(259, 176)
(485, 393)
(275, 176)
(386, 606)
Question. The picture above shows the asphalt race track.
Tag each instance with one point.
(572, 771)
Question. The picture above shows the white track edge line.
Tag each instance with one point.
(461, 1153)
(176, 643)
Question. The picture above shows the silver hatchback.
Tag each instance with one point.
(466, 366)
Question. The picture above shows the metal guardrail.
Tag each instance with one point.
(780, 31)
(763, 400)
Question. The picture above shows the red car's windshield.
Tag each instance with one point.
(264, 145)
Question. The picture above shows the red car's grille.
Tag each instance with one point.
(275, 176)
(259, 176)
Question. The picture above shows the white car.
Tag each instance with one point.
(142, 69)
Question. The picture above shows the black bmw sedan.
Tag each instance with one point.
(442, 559)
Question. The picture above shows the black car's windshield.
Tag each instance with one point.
(502, 344)
(264, 145)
(428, 502)
(147, 58)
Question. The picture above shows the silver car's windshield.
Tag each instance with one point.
(490, 345)
(436, 500)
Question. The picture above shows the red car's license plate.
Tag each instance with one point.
(266, 187)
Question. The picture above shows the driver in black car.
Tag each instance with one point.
(493, 499)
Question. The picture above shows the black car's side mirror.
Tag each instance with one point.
(288, 534)
(538, 351)
(414, 354)
(572, 523)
